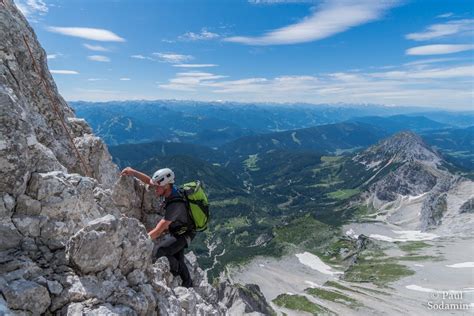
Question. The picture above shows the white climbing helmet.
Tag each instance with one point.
(162, 177)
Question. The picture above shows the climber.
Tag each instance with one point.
(176, 221)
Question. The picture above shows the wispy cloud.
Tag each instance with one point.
(99, 58)
(433, 73)
(96, 79)
(87, 33)
(280, 1)
(204, 35)
(141, 57)
(173, 57)
(439, 49)
(330, 18)
(32, 7)
(407, 85)
(194, 65)
(457, 27)
(64, 72)
(53, 56)
(445, 15)
(190, 81)
(125, 79)
(96, 48)
(430, 61)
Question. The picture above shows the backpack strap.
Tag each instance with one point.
(182, 197)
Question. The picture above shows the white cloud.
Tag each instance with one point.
(190, 81)
(125, 79)
(439, 49)
(330, 18)
(433, 73)
(280, 1)
(407, 85)
(430, 61)
(32, 7)
(87, 33)
(445, 15)
(173, 58)
(201, 36)
(52, 56)
(443, 30)
(99, 58)
(194, 65)
(95, 79)
(141, 57)
(64, 72)
(96, 48)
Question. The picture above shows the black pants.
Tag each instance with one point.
(173, 248)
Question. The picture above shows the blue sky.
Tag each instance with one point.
(389, 52)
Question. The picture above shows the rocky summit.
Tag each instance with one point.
(406, 172)
(73, 234)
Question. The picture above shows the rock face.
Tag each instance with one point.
(73, 236)
(38, 159)
(244, 299)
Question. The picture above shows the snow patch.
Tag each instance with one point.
(416, 197)
(312, 284)
(351, 233)
(462, 265)
(420, 288)
(418, 265)
(373, 164)
(312, 261)
(261, 265)
(405, 235)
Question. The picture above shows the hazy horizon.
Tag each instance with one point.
(403, 53)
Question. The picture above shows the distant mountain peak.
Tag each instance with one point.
(402, 147)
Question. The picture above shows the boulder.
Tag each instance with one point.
(97, 246)
(26, 295)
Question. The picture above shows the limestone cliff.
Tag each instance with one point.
(73, 236)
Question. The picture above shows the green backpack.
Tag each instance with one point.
(198, 206)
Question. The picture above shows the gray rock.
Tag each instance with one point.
(249, 296)
(87, 287)
(129, 297)
(67, 204)
(28, 225)
(194, 270)
(96, 246)
(150, 295)
(9, 234)
(187, 299)
(109, 242)
(54, 287)
(26, 295)
(94, 150)
(25, 205)
(136, 244)
(435, 205)
(136, 277)
(79, 127)
(109, 310)
(467, 207)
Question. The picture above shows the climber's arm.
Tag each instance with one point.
(159, 229)
(137, 174)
